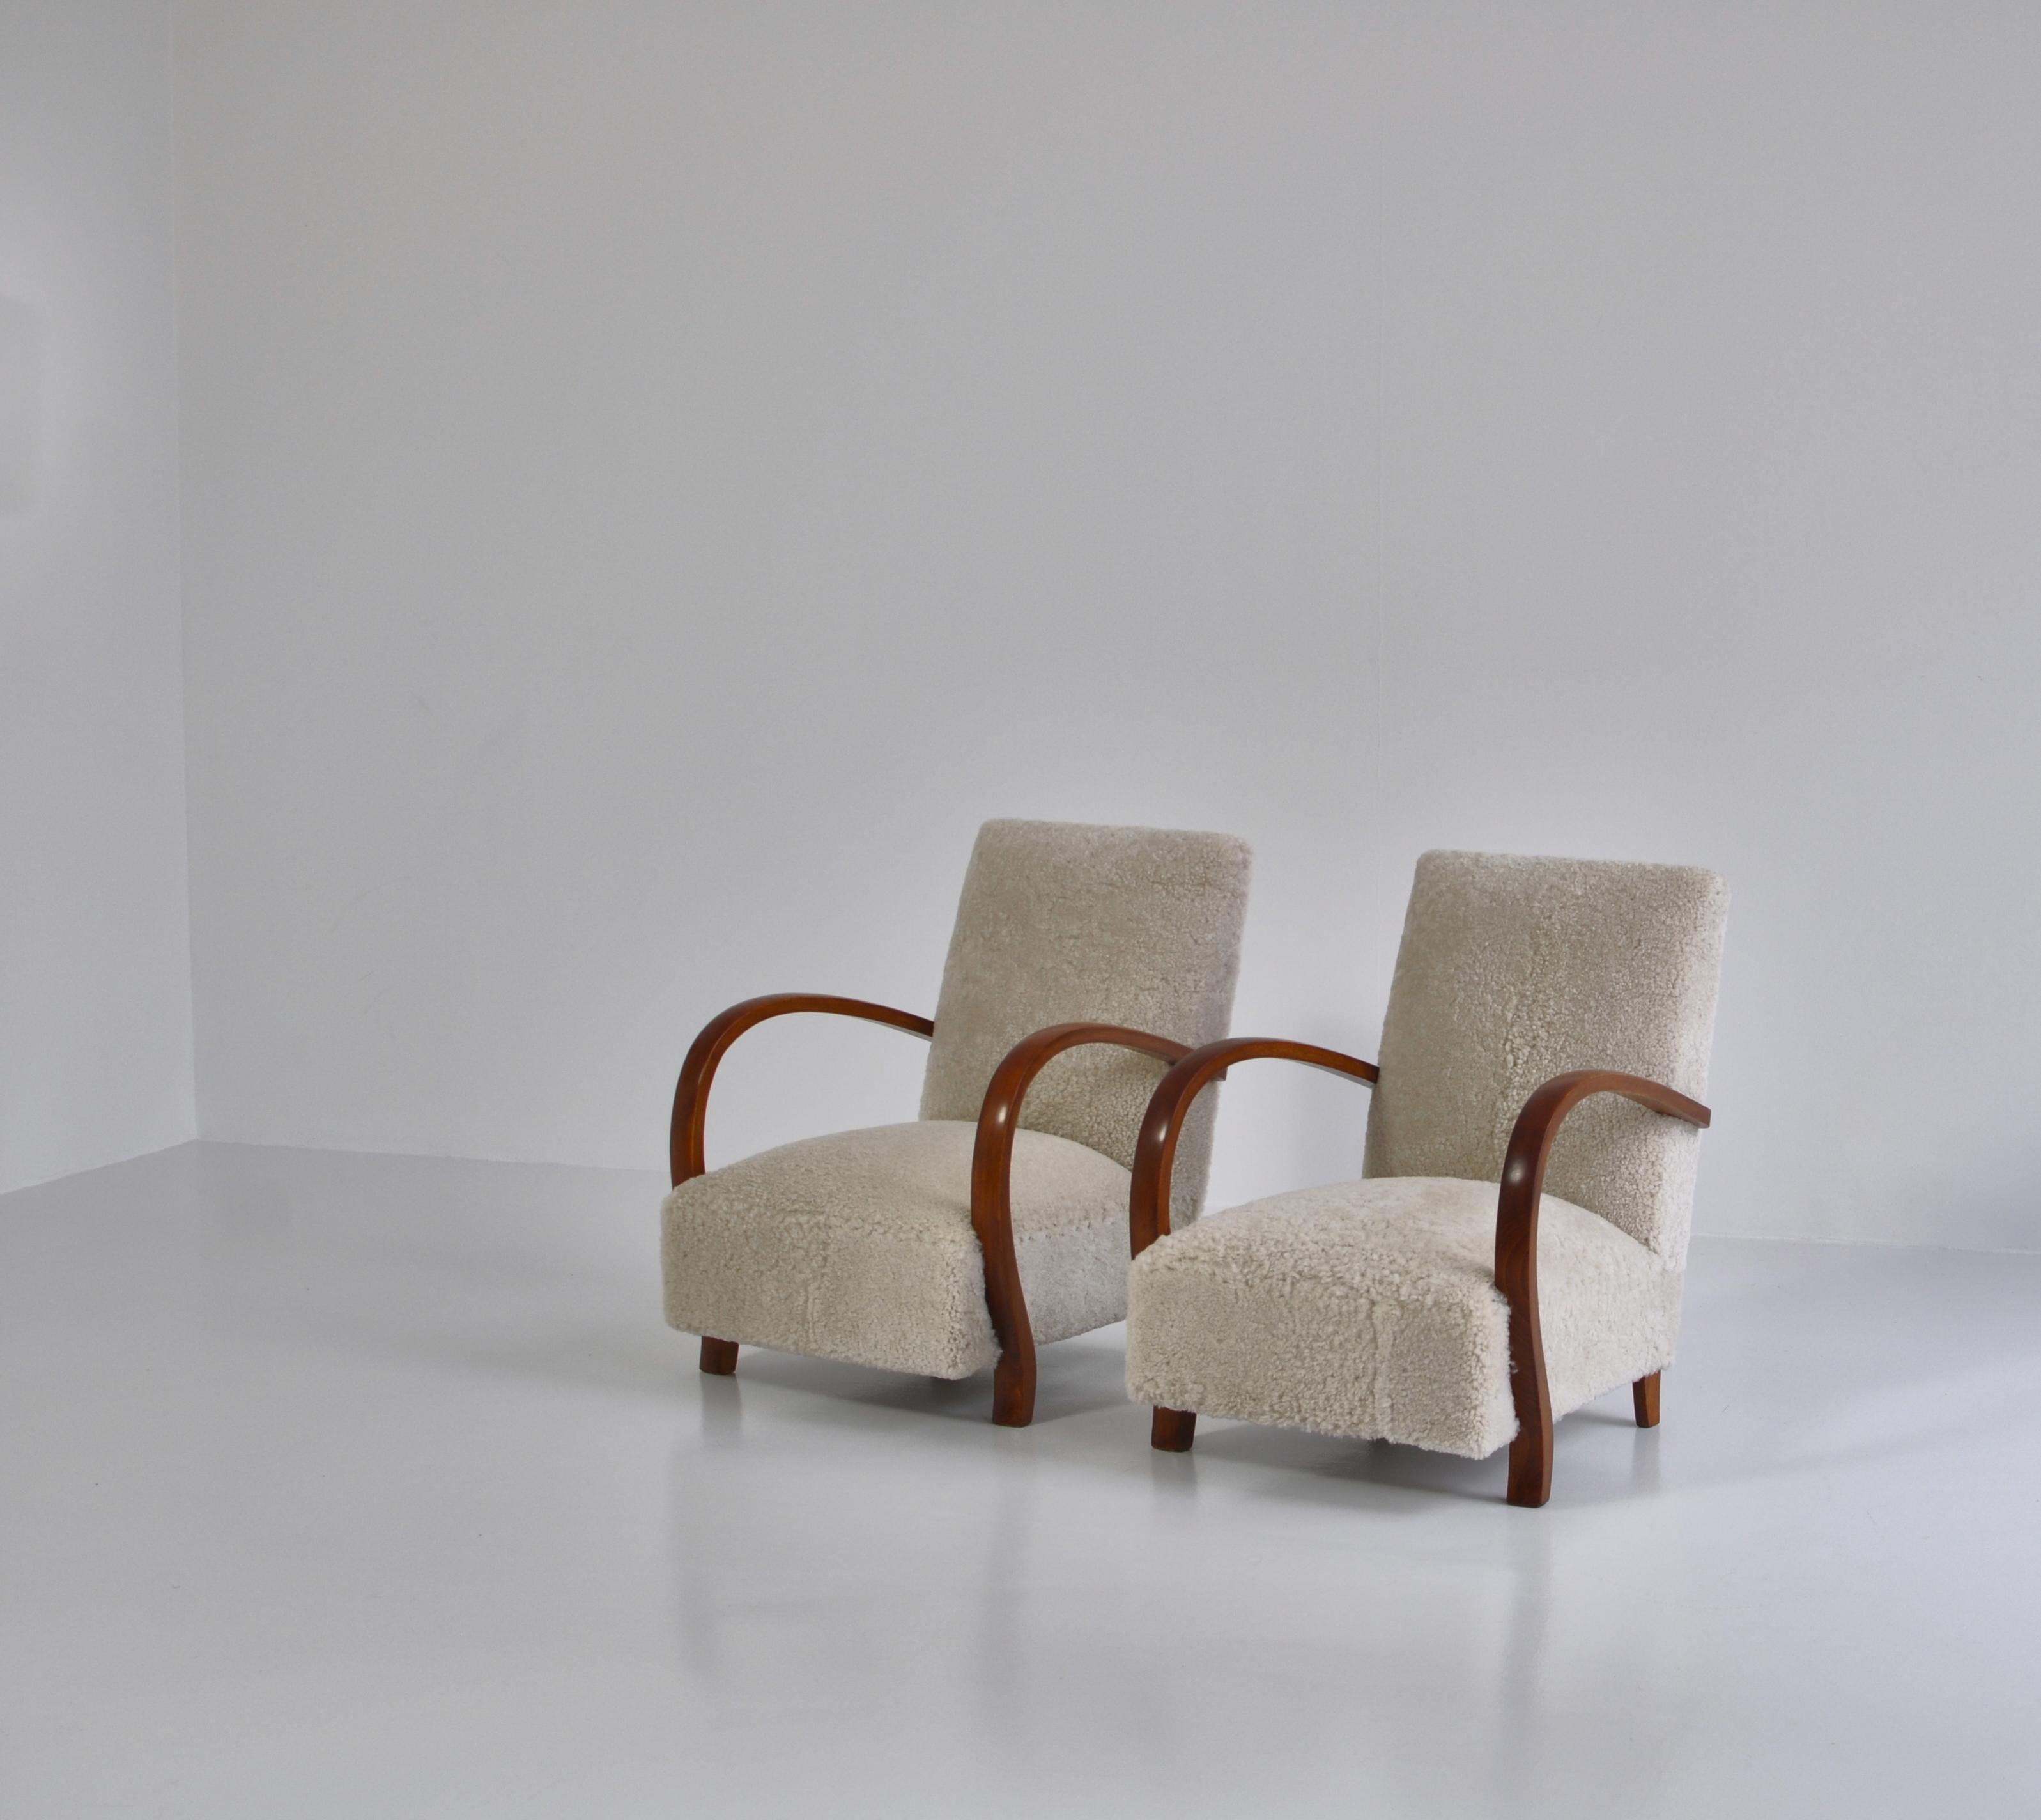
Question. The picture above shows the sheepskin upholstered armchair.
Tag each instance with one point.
(1084, 959)
(1492, 1270)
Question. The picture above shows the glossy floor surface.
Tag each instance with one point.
(356, 1486)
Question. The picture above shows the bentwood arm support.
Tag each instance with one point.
(1517, 1252)
(991, 1197)
(1155, 1155)
(691, 1095)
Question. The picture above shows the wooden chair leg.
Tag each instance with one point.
(1644, 1395)
(718, 1357)
(1530, 1465)
(1173, 1430)
(1013, 1389)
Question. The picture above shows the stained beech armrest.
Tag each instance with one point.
(991, 1196)
(691, 1095)
(1155, 1155)
(1516, 1250)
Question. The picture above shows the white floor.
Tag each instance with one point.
(371, 1486)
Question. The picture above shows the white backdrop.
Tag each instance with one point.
(95, 957)
(656, 477)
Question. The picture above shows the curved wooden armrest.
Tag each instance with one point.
(991, 1196)
(1155, 1155)
(1516, 1250)
(691, 1095)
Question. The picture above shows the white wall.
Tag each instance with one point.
(656, 477)
(95, 956)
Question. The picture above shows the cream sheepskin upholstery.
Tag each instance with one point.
(1062, 925)
(860, 1246)
(1513, 971)
(1369, 1308)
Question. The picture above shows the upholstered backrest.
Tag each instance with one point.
(1062, 923)
(1513, 971)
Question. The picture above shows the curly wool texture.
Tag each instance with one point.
(859, 1246)
(1513, 971)
(1062, 924)
(1370, 1309)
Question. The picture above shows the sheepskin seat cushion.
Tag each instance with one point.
(1369, 1308)
(859, 1246)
